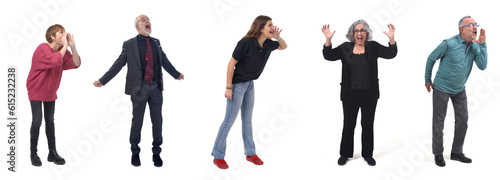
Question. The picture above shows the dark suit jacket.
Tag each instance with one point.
(373, 50)
(130, 56)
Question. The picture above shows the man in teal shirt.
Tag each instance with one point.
(457, 55)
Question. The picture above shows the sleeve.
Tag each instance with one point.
(116, 67)
(45, 58)
(333, 54)
(386, 52)
(438, 53)
(481, 57)
(274, 45)
(167, 65)
(68, 61)
(241, 50)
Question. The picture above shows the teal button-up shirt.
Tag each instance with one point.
(456, 63)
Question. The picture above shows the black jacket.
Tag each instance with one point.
(130, 56)
(373, 50)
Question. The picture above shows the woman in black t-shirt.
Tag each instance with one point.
(359, 87)
(249, 59)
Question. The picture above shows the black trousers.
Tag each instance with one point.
(36, 111)
(352, 103)
(150, 94)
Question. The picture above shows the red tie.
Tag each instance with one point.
(148, 76)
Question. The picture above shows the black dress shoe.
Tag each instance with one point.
(136, 161)
(157, 160)
(342, 160)
(370, 161)
(460, 157)
(439, 160)
(35, 160)
(54, 157)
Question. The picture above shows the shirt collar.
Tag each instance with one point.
(460, 39)
(142, 37)
(256, 43)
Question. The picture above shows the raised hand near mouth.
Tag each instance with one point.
(482, 37)
(276, 32)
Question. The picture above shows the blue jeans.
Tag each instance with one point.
(243, 97)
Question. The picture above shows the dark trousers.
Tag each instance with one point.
(352, 103)
(152, 95)
(440, 105)
(36, 111)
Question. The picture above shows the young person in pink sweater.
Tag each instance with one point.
(48, 62)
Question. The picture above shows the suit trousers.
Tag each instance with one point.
(36, 111)
(150, 94)
(351, 104)
(439, 106)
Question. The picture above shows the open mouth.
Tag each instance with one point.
(359, 39)
(148, 26)
(474, 32)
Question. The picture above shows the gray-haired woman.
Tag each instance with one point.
(359, 86)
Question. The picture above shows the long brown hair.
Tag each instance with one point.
(257, 26)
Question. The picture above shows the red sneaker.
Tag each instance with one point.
(220, 163)
(255, 159)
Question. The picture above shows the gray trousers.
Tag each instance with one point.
(440, 104)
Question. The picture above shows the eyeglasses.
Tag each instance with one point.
(472, 25)
(359, 31)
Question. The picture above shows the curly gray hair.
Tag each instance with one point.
(350, 33)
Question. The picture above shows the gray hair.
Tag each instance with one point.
(136, 23)
(461, 22)
(350, 33)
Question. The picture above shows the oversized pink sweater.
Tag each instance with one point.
(46, 71)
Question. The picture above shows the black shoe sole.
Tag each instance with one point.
(460, 160)
(56, 162)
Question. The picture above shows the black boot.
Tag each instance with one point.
(54, 157)
(35, 160)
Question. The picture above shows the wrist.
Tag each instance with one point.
(229, 87)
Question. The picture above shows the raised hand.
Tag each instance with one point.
(326, 31)
(276, 32)
(64, 39)
(390, 34)
(71, 40)
(482, 37)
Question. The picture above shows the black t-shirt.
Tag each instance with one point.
(252, 58)
(360, 75)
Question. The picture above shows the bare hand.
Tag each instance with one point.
(391, 32)
(229, 94)
(97, 83)
(326, 31)
(181, 77)
(276, 32)
(71, 40)
(482, 37)
(64, 39)
(429, 87)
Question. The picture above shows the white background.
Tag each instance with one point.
(298, 113)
